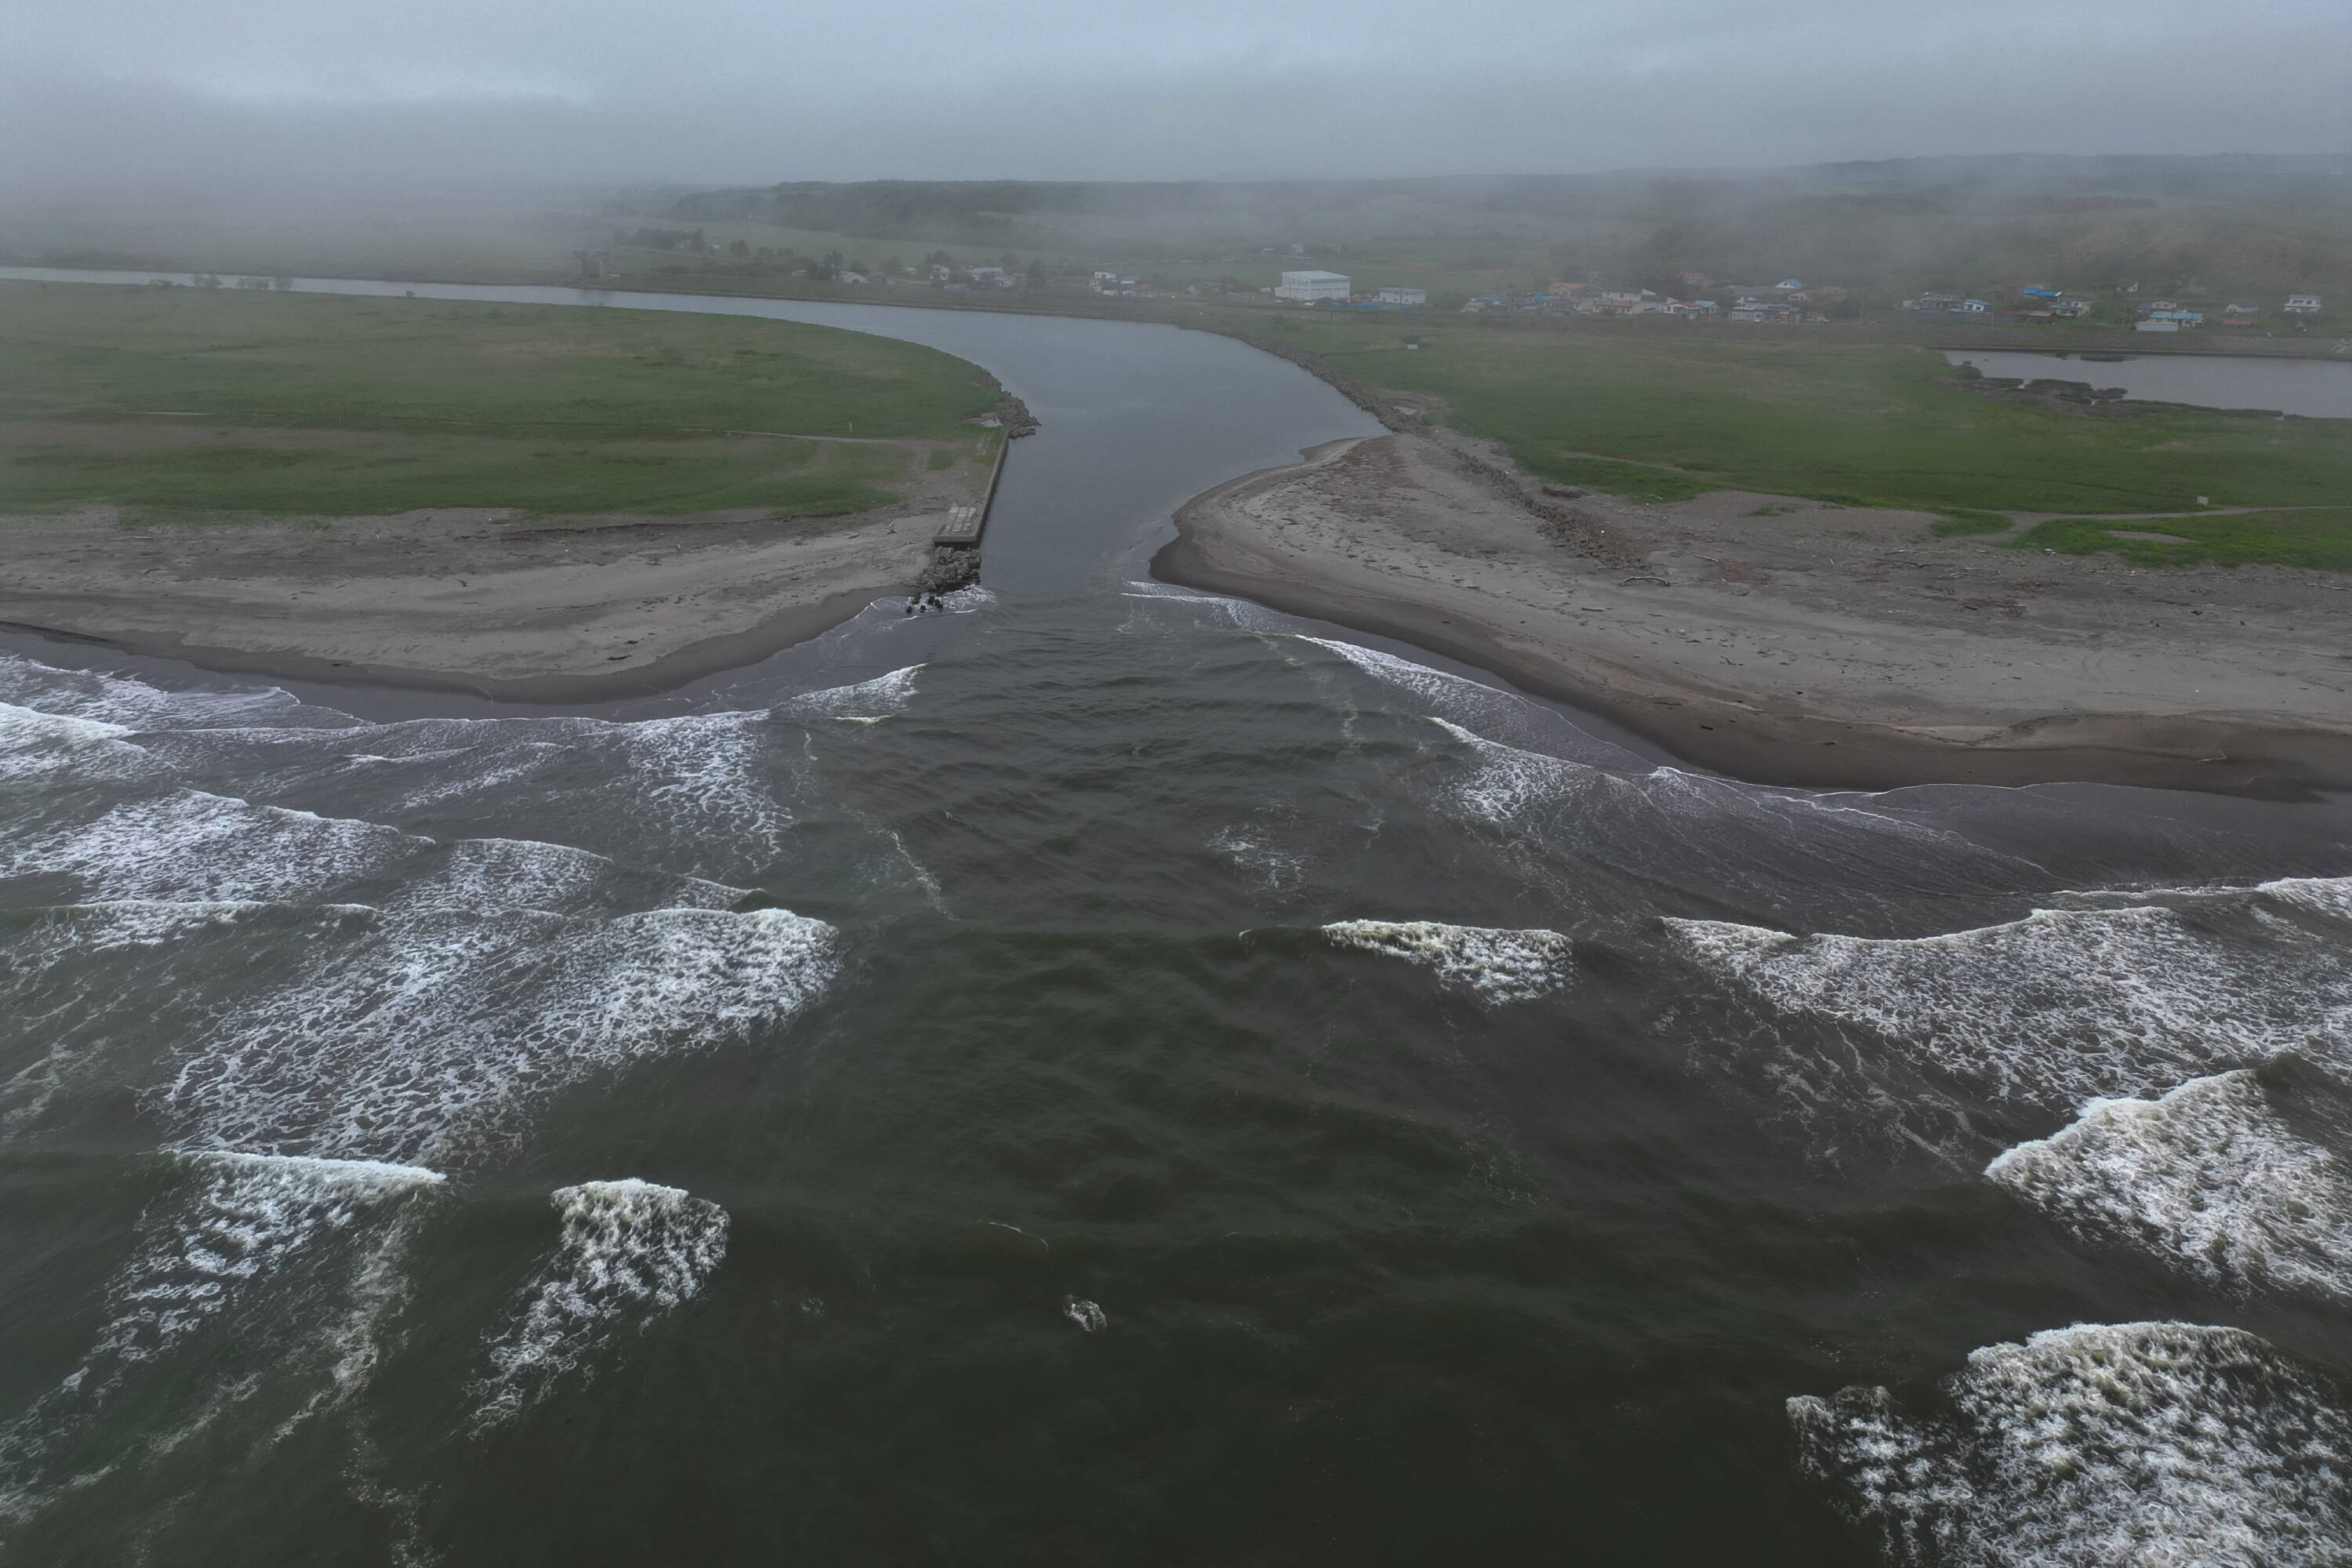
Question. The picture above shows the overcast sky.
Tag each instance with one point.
(756, 90)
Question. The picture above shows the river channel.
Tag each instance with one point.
(1118, 1074)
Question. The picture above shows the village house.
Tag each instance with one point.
(2303, 304)
(1403, 296)
(1307, 287)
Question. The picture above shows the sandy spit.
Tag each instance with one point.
(1789, 642)
(540, 609)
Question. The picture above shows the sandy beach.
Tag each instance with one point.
(544, 609)
(1792, 642)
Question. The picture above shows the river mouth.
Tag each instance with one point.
(1100, 1064)
(2313, 388)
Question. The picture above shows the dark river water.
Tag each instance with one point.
(1112, 1074)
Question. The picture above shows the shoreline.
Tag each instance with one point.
(695, 661)
(563, 612)
(1743, 729)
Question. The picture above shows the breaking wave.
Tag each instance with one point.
(2140, 1443)
(427, 1039)
(630, 1252)
(248, 1217)
(1496, 966)
(1457, 701)
(2062, 1007)
(883, 694)
(269, 1246)
(117, 699)
(2211, 1177)
(191, 845)
(1709, 834)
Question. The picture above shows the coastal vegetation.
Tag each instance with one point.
(1660, 417)
(2319, 537)
(190, 402)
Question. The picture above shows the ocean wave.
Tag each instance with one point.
(1460, 702)
(248, 1217)
(698, 792)
(1711, 834)
(630, 1252)
(121, 699)
(883, 694)
(195, 847)
(1240, 613)
(189, 845)
(37, 746)
(1495, 965)
(292, 1253)
(2062, 1007)
(426, 1039)
(2140, 1443)
(2329, 896)
(2211, 1178)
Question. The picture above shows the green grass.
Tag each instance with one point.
(2320, 538)
(1634, 482)
(206, 402)
(1857, 424)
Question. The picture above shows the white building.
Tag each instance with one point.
(1405, 296)
(2303, 304)
(1305, 287)
(2154, 325)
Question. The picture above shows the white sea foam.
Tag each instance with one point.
(1495, 965)
(630, 1251)
(45, 746)
(66, 966)
(119, 700)
(883, 694)
(2211, 1177)
(1257, 848)
(1238, 612)
(202, 848)
(2060, 1008)
(1456, 700)
(268, 1245)
(1701, 831)
(246, 1219)
(698, 791)
(2158, 1444)
(482, 874)
(425, 1038)
(2330, 896)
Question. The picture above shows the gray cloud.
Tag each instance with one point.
(135, 92)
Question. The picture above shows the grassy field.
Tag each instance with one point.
(1661, 418)
(2320, 538)
(199, 402)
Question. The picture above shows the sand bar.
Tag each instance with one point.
(1790, 642)
(542, 609)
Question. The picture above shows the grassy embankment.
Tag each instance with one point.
(1662, 420)
(185, 403)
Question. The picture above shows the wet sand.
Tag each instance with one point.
(1791, 642)
(544, 609)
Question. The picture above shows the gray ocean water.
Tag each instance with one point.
(1114, 1073)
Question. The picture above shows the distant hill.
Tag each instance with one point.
(2234, 221)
